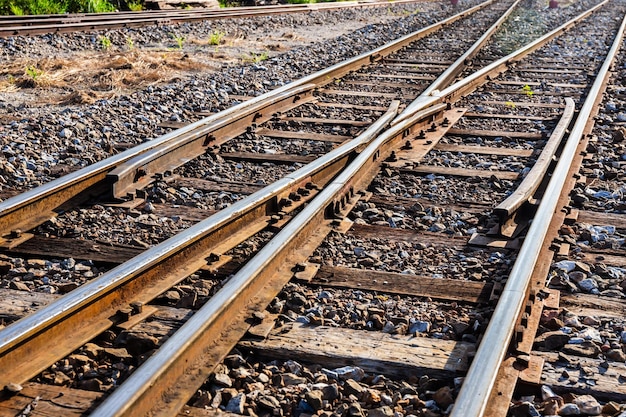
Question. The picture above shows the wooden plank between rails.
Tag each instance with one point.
(506, 116)
(217, 186)
(460, 172)
(382, 84)
(326, 121)
(349, 106)
(496, 133)
(49, 401)
(602, 219)
(192, 214)
(375, 352)
(396, 283)
(266, 157)
(399, 203)
(77, 249)
(602, 256)
(593, 305)
(17, 304)
(524, 104)
(357, 93)
(301, 135)
(484, 150)
(584, 376)
(400, 76)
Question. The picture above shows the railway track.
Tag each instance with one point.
(67, 23)
(408, 197)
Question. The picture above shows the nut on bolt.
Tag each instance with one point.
(137, 307)
(124, 313)
(295, 197)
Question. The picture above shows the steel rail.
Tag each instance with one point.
(468, 84)
(155, 379)
(154, 271)
(41, 326)
(38, 204)
(480, 379)
(174, 153)
(534, 178)
(449, 75)
(43, 24)
(143, 392)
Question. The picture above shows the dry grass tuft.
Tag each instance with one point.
(81, 97)
(91, 77)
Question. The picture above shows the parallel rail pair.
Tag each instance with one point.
(243, 288)
(81, 22)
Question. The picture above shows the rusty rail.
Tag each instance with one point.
(160, 267)
(35, 206)
(481, 377)
(67, 23)
(536, 175)
(156, 388)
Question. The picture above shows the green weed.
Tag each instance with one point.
(216, 37)
(33, 72)
(255, 58)
(105, 42)
(180, 40)
(135, 6)
(528, 90)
